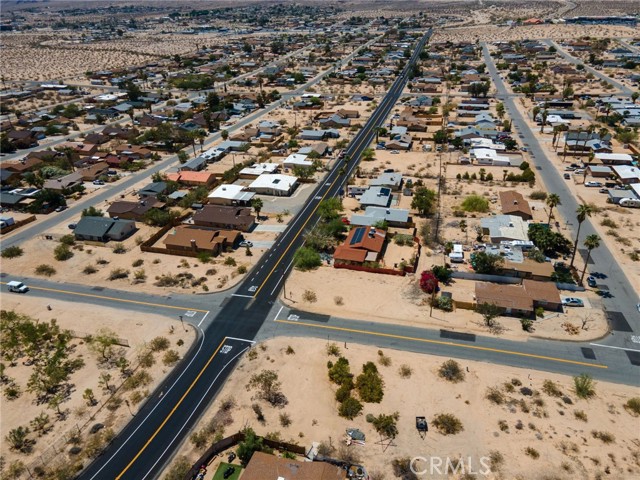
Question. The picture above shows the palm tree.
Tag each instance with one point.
(257, 205)
(553, 200)
(592, 241)
(585, 210)
(448, 248)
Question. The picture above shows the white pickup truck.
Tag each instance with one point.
(17, 287)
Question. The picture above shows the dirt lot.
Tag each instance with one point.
(135, 328)
(557, 442)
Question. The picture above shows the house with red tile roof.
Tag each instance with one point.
(363, 244)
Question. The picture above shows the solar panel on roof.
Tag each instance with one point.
(357, 236)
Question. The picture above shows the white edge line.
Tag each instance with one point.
(205, 316)
(240, 340)
(616, 348)
(277, 283)
(278, 314)
(238, 295)
(153, 409)
(193, 411)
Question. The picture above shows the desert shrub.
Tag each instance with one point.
(204, 257)
(350, 408)
(102, 261)
(159, 344)
(516, 382)
(119, 248)
(526, 391)
(170, 358)
(369, 384)
(309, 296)
(451, 370)
(604, 437)
(503, 425)
(584, 386)
(402, 469)
(443, 303)
(580, 415)
(178, 469)
(285, 419)
(550, 388)
(538, 195)
(383, 360)
(532, 452)
(62, 252)
(494, 395)
(338, 300)
(138, 396)
(633, 406)
(496, 459)
(475, 203)
(333, 350)
(118, 273)
(290, 350)
(45, 270)
(146, 359)
(141, 378)
(89, 269)
(405, 371)
(344, 391)
(268, 386)
(242, 269)
(607, 222)
(12, 252)
(230, 262)
(447, 424)
(137, 263)
(68, 239)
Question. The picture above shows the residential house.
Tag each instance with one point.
(153, 190)
(195, 164)
(513, 203)
(296, 160)
(505, 227)
(488, 156)
(376, 197)
(321, 148)
(94, 171)
(519, 299)
(8, 177)
(22, 138)
(258, 169)
(103, 229)
(392, 180)
(66, 182)
(400, 142)
(231, 195)
(29, 163)
(264, 466)
(230, 218)
(136, 211)
(542, 271)
(394, 217)
(335, 121)
(193, 178)
(614, 158)
(626, 174)
(274, 184)
(363, 244)
(196, 239)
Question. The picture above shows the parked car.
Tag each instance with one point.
(98, 182)
(61, 208)
(246, 243)
(604, 190)
(567, 176)
(72, 226)
(395, 152)
(592, 184)
(572, 302)
(591, 281)
(578, 171)
(228, 472)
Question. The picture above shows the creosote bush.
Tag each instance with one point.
(451, 371)
(447, 424)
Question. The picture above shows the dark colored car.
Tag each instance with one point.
(591, 281)
(228, 472)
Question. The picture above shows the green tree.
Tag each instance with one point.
(386, 425)
(307, 259)
(268, 386)
(369, 384)
(18, 439)
(584, 210)
(103, 343)
(489, 312)
(487, 263)
(552, 201)
(592, 241)
(92, 212)
(251, 444)
(475, 203)
(183, 156)
(424, 200)
(89, 397)
(350, 408)
(329, 209)
(224, 134)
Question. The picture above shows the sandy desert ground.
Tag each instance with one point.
(136, 328)
(536, 436)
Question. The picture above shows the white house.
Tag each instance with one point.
(274, 184)
(296, 160)
(230, 195)
(258, 169)
(487, 156)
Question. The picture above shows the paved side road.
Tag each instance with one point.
(623, 297)
(596, 73)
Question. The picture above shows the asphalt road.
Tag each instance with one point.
(149, 440)
(621, 306)
(576, 61)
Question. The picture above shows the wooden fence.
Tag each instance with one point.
(362, 268)
(18, 224)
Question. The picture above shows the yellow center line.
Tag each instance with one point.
(440, 342)
(114, 299)
(173, 410)
(357, 145)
